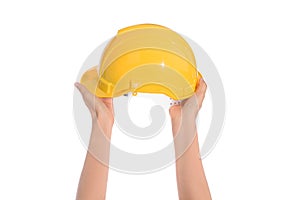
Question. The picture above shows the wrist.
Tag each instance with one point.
(99, 145)
(103, 127)
(183, 124)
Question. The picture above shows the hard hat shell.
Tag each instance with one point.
(144, 58)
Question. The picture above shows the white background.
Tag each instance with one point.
(254, 44)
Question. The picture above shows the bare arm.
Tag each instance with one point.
(94, 175)
(191, 180)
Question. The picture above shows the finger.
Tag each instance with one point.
(88, 97)
(174, 111)
(82, 89)
(200, 91)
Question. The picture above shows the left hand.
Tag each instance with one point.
(187, 111)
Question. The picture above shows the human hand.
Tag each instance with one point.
(191, 180)
(101, 109)
(94, 176)
(187, 110)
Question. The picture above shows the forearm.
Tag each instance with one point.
(93, 180)
(191, 180)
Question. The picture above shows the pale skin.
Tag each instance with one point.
(191, 180)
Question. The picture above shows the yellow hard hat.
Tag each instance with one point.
(144, 58)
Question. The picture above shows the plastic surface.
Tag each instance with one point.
(144, 58)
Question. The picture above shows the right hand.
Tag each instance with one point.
(101, 109)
